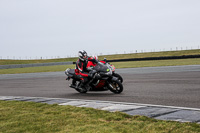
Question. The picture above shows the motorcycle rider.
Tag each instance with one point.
(81, 68)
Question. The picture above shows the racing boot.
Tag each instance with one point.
(82, 87)
(73, 85)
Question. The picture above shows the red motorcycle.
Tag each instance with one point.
(90, 65)
(104, 78)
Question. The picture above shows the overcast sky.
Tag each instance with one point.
(49, 28)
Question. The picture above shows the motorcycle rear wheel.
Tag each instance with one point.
(115, 87)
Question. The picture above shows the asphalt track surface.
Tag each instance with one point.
(170, 86)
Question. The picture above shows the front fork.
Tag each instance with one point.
(109, 82)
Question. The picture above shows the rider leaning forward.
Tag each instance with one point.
(82, 67)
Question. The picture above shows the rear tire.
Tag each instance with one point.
(115, 87)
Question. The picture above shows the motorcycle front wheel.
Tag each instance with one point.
(115, 87)
(118, 76)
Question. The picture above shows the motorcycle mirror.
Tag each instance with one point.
(105, 59)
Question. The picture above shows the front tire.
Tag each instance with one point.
(115, 87)
(118, 76)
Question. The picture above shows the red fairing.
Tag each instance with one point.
(90, 63)
(101, 84)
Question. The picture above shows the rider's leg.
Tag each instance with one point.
(84, 82)
(73, 85)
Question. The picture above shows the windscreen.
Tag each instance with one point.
(100, 67)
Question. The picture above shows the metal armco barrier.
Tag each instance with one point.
(156, 58)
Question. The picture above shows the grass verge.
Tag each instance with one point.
(153, 54)
(17, 116)
(132, 64)
(109, 57)
(36, 69)
(12, 62)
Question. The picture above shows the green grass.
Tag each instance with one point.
(18, 117)
(36, 69)
(109, 57)
(132, 64)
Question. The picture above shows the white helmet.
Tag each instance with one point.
(82, 54)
